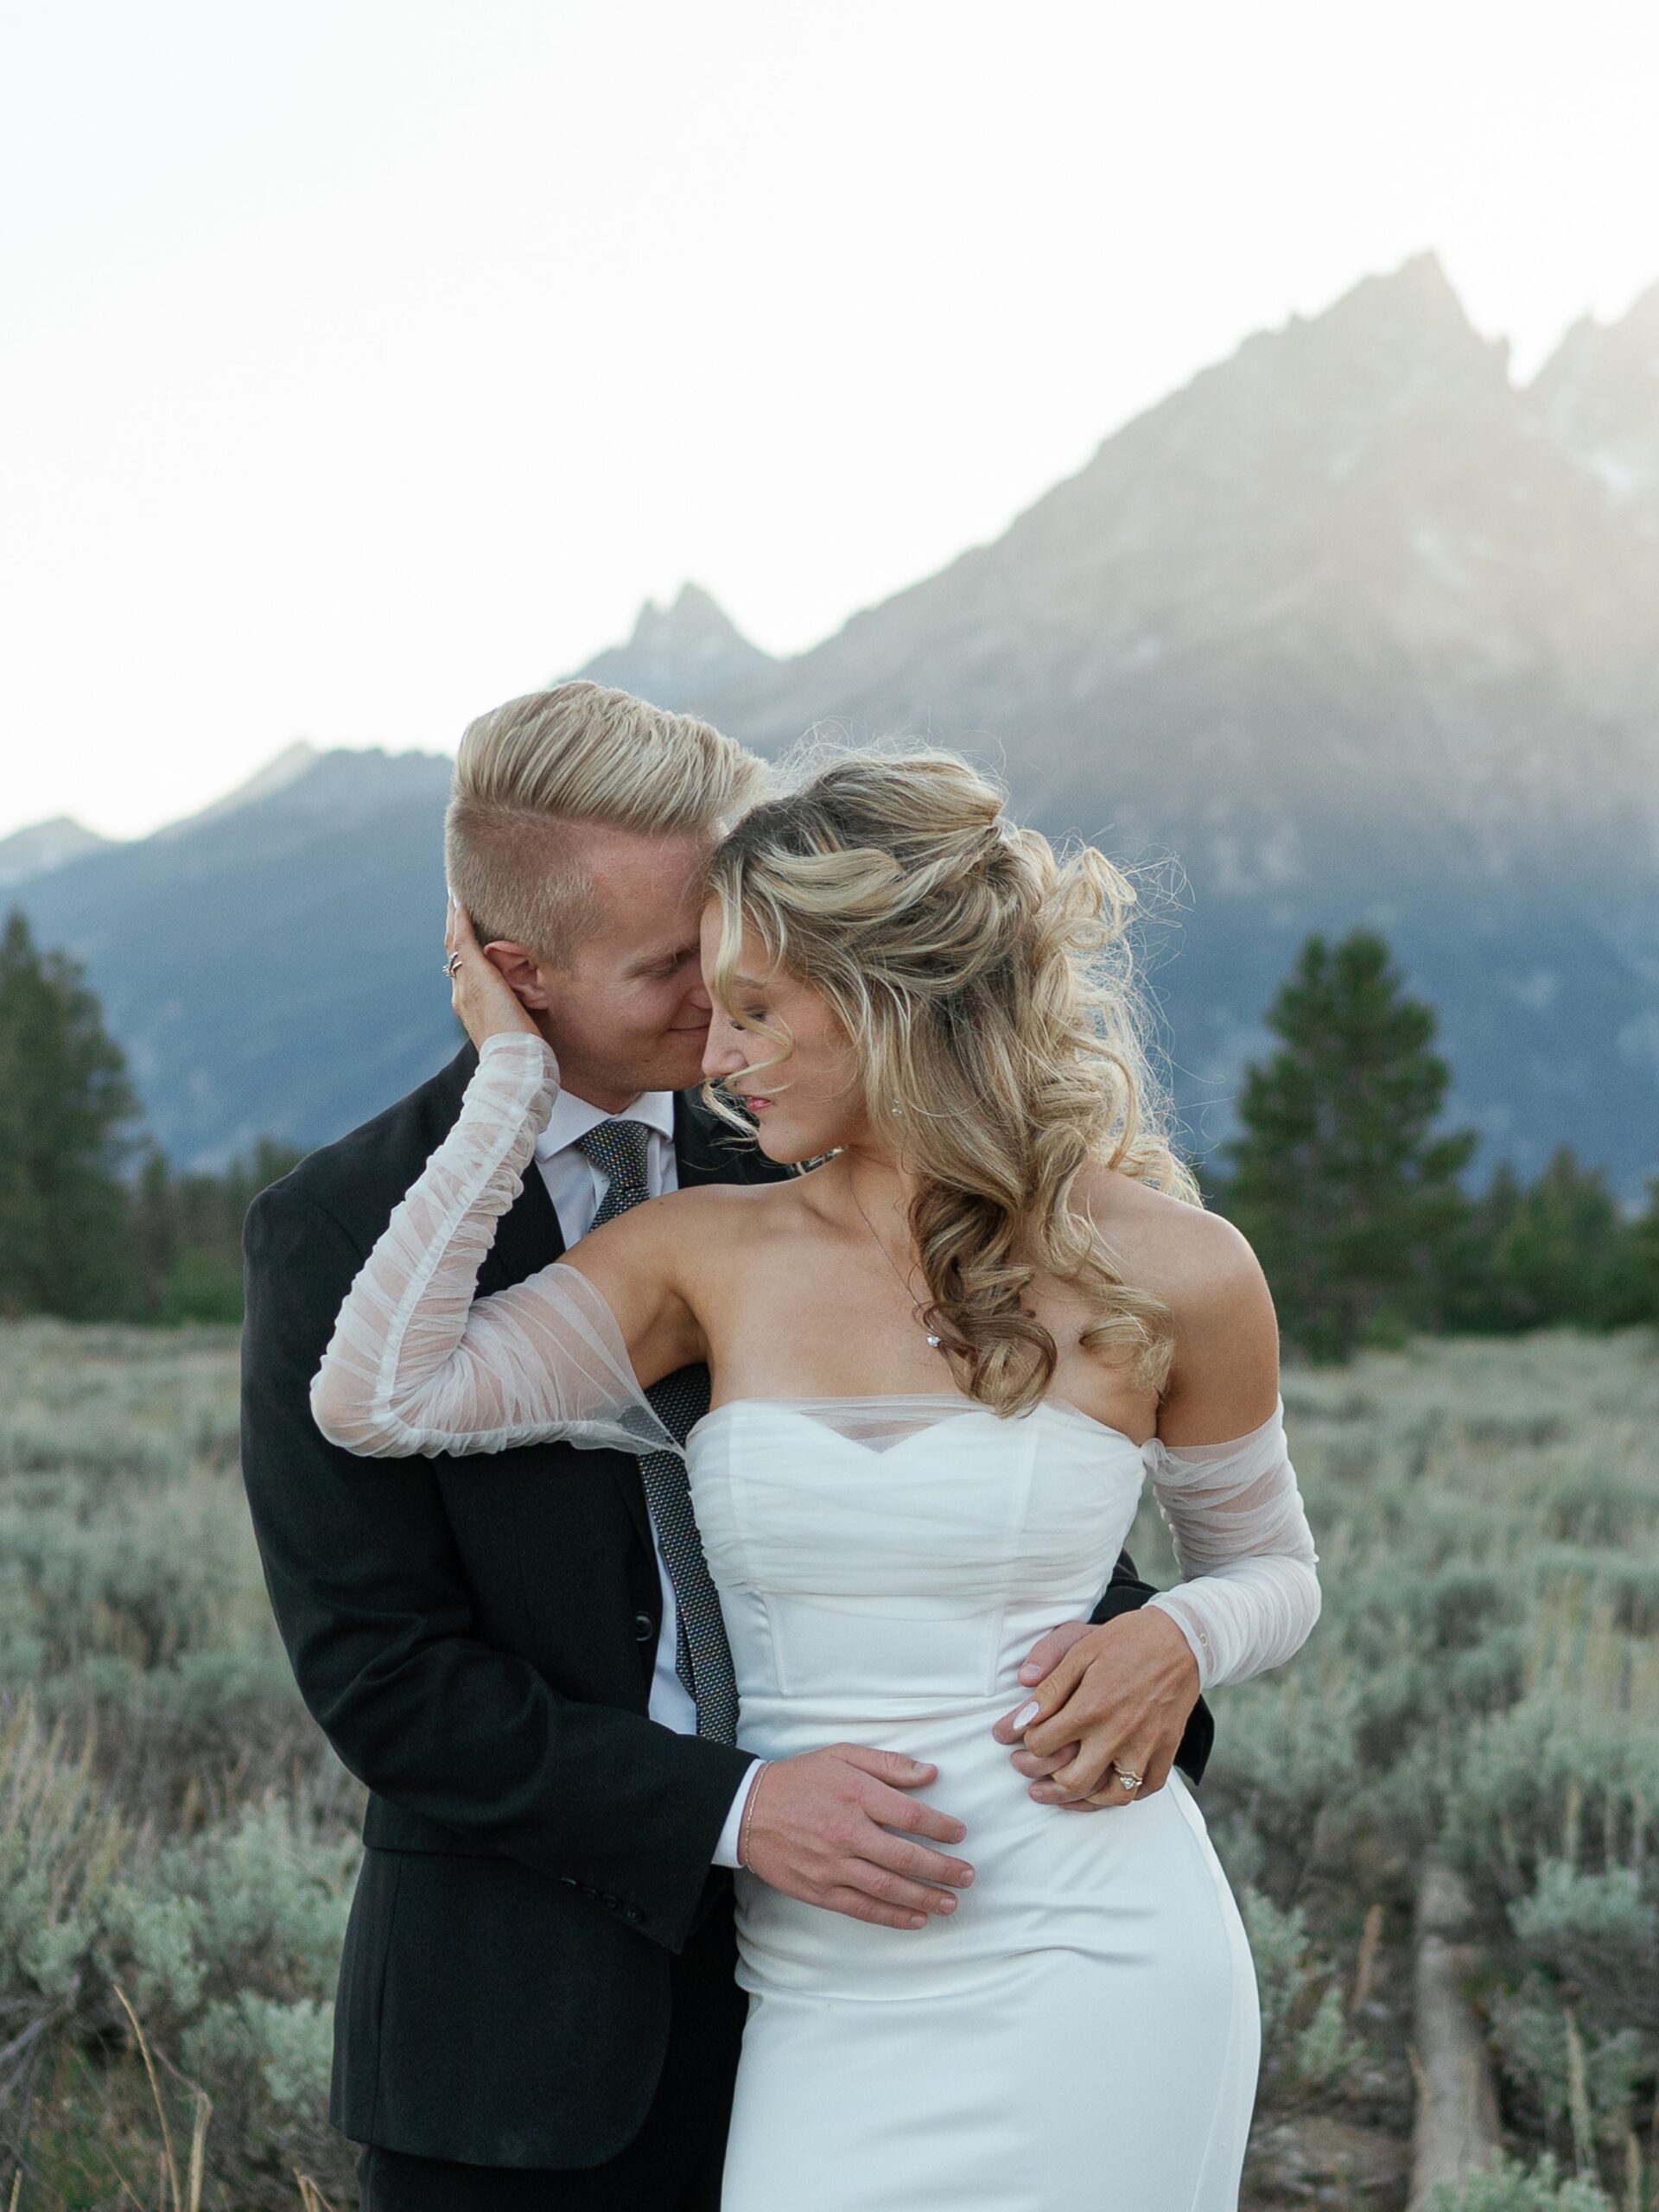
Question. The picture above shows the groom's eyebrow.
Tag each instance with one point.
(666, 956)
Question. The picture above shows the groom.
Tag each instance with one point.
(520, 1653)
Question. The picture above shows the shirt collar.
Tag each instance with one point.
(572, 1117)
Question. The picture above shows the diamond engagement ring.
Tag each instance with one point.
(451, 964)
(1129, 1781)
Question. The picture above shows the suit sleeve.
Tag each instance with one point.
(1125, 1593)
(374, 1609)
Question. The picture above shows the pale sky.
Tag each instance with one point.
(368, 361)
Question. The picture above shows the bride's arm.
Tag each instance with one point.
(419, 1365)
(1250, 1594)
(1221, 1474)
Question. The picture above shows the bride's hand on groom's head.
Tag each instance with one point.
(484, 1003)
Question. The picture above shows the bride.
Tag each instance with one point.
(943, 1360)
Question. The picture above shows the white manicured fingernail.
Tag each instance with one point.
(1027, 1714)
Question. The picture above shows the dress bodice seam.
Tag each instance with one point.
(958, 1399)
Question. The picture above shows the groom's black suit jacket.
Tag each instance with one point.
(476, 1638)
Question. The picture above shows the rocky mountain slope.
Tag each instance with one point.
(1350, 628)
(271, 966)
(1355, 629)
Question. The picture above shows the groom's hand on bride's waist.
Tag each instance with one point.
(818, 1827)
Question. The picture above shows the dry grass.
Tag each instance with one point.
(1485, 1680)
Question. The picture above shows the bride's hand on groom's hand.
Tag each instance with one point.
(1115, 1694)
(818, 1827)
(484, 1003)
(1043, 1656)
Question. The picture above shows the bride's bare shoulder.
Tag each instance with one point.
(688, 1239)
(728, 1210)
(1224, 1367)
(1191, 1258)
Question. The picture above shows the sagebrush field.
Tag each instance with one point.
(177, 1843)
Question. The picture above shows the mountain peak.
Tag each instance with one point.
(695, 623)
(680, 655)
(43, 846)
(1598, 396)
(287, 767)
(1411, 312)
(1420, 276)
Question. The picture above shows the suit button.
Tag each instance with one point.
(643, 1628)
(632, 1912)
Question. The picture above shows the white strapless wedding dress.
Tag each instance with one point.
(1083, 2032)
(1081, 2035)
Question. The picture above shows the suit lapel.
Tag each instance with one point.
(528, 1236)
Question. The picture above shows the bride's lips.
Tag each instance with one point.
(757, 1104)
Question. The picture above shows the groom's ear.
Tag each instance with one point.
(518, 968)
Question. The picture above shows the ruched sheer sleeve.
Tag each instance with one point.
(418, 1364)
(1242, 1540)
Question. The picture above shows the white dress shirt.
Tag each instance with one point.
(577, 1189)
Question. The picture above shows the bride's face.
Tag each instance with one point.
(813, 1098)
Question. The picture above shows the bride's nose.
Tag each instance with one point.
(723, 1053)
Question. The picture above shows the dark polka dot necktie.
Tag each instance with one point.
(703, 1659)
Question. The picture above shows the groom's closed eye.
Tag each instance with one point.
(660, 966)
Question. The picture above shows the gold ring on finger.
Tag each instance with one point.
(1129, 1781)
(451, 964)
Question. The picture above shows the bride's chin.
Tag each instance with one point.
(786, 1149)
(776, 1145)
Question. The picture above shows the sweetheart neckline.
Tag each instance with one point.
(916, 1397)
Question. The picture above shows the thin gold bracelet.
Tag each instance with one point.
(749, 1815)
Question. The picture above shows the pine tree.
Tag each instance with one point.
(1336, 1179)
(187, 1232)
(1645, 1237)
(65, 1105)
(1467, 1293)
(1566, 1254)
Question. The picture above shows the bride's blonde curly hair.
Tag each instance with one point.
(987, 987)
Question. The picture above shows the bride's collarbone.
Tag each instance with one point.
(797, 1309)
(788, 1351)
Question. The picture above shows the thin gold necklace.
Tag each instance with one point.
(903, 1281)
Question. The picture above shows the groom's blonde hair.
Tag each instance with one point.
(529, 772)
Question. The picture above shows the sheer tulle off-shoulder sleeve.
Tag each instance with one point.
(418, 1365)
(1242, 1539)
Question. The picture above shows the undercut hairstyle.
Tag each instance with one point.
(987, 984)
(530, 771)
